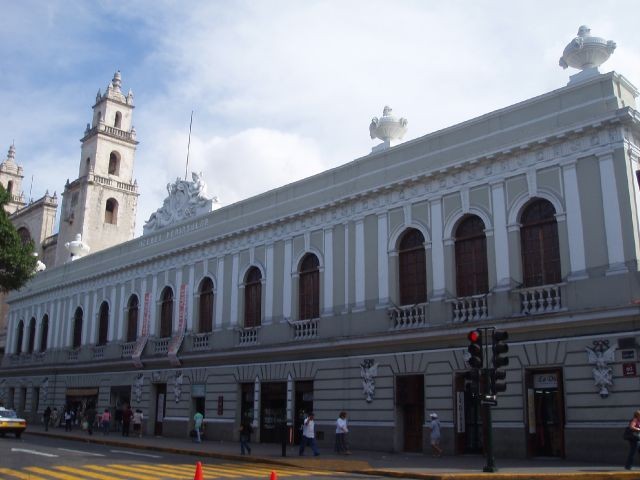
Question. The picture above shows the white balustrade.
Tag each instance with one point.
(542, 299)
(408, 316)
(201, 341)
(98, 352)
(127, 349)
(469, 309)
(305, 329)
(248, 336)
(161, 345)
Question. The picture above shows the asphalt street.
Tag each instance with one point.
(36, 458)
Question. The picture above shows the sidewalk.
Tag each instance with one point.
(399, 465)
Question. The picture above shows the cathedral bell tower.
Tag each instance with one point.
(101, 203)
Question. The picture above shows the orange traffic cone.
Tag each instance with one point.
(274, 475)
(198, 475)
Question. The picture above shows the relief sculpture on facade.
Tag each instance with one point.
(601, 354)
(185, 199)
(368, 372)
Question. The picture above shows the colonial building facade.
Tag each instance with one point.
(355, 289)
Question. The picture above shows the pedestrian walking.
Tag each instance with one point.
(106, 421)
(198, 418)
(341, 434)
(137, 422)
(55, 417)
(127, 416)
(90, 418)
(46, 418)
(245, 437)
(68, 418)
(632, 435)
(434, 426)
(309, 435)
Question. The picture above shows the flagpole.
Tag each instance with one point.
(186, 167)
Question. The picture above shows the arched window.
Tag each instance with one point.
(412, 268)
(472, 277)
(166, 312)
(32, 335)
(77, 328)
(25, 236)
(539, 244)
(19, 336)
(114, 163)
(44, 333)
(103, 324)
(10, 187)
(253, 298)
(309, 287)
(118, 121)
(111, 212)
(205, 313)
(132, 318)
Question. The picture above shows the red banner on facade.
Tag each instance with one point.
(176, 339)
(142, 339)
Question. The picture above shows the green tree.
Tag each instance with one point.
(17, 261)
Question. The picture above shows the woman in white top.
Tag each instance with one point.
(341, 434)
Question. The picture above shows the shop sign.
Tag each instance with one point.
(545, 380)
(628, 354)
(629, 369)
(197, 390)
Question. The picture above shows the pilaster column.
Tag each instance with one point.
(122, 314)
(346, 268)
(268, 298)
(359, 265)
(234, 290)
(383, 260)
(437, 250)
(327, 308)
(286, 281)
(11, 329)
(612, 220)
(574, 221)
(191, 298)
(500, 236)
(219, 294)
(38, 328)
(115, 314)
(153, 306)
(89, 318)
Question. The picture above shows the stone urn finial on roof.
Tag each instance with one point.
(586, 52)
(387, 128)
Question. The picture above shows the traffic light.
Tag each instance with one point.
(475, 348)
(500, 348)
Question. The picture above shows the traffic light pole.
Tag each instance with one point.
(491, 463)
(486, 377)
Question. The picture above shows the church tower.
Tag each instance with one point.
(11, 175)
(101, 203)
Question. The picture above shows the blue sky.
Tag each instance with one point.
(280, 89)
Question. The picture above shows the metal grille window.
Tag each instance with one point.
(253, 298)
(309, 287)
(205, 320)
(472, 276)
(539, 245)
(412, 268)
(166, 312)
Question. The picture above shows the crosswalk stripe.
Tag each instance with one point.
(49, 473)
(122, 470)
(257, 470)
(83, 472)
(153, 469)
(19, 474)
(281, 470)
(191, 470)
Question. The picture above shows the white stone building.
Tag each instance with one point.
(355, 289)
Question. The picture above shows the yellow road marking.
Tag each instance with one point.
(19, 474)
(122, 470)
(84, 473)
(191, 470)
(257, 470)
(158, 471)
(53, 474)
(280, 470)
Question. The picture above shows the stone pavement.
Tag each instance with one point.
(399, 465)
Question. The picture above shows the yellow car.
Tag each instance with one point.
(9, 422)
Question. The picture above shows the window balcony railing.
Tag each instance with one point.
(469, 309)
(97, 352)
(305, 329)
(408, 316)
(72, 355)
(161, 345)
(127, 349)
(542, 299)
(201, 341)
(248, 336)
